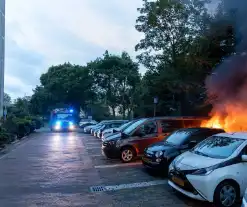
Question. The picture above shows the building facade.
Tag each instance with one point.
(2, 53)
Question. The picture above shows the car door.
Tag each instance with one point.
(149, 131)
(241, 170)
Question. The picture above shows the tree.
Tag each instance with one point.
(6, 99)
(116, 78)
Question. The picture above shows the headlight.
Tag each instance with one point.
(171, 166)
(204, 171)
(58, 123)
(112, 142)
(158, 154)
(70, 123)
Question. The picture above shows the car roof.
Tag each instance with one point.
(201, 129)
(240, 135)
(179, 118)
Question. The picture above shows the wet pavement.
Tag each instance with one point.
(60, 169)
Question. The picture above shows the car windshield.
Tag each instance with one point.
(123, 126)
(64, 116)
(133, 126)
(218, 147)
(179, 137)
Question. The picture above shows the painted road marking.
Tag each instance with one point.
(118, 165)
(127, 186)
(97, 156)
(90, 148)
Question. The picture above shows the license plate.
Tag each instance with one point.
(146, 160)
(177, 181)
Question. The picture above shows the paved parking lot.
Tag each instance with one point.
(142, 189)
(68, 170)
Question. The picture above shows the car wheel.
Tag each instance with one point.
(127, 154)
(226, 194)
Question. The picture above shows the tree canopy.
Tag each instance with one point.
(182, 44)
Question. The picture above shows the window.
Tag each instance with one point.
(116, 125)
(199, 137)
(171, 125)
(149, 128)
(218, 147)
(244, 151)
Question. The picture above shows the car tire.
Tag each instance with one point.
(231, 197)
(128, 154)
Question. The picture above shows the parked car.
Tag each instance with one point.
(159, 155)
(93, 130)
(87, 129)
(87, 122)
(108, 132)
(132, 141)
(110, 125)
(97, 126)
(214, 170)
(244, 201)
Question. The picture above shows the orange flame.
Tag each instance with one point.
(233, 119)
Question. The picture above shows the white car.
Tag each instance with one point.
(215, 170)
(244, 202)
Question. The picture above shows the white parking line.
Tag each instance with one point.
(118, 165)
(127, 186)
(89, 148)
(96, 155)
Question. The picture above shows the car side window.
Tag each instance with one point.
(170, 125)
(244, 151)
(149, 128)
(198, 137)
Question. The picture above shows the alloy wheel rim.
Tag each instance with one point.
(127, 155)
(228, 195)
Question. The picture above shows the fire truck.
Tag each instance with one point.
(62, 119)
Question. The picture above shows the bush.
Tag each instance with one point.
(36, 122)
(5, 137)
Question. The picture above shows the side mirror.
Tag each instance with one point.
(244, 158)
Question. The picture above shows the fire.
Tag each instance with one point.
(234, 119)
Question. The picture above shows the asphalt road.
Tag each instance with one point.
(62, 169)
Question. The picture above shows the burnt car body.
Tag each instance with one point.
(132, 141)
(158, 156)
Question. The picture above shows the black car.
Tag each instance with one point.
(158, 156)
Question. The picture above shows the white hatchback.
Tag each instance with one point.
(215, 170)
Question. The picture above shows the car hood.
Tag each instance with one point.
(190, 161)
(108, 130)
(160, 146)
(113, 137)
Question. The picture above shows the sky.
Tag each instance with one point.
(41, 33)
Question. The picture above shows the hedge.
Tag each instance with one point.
(18, 127)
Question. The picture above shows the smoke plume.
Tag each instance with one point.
(227, 85)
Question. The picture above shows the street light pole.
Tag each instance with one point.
(2, 51)
(155, 104)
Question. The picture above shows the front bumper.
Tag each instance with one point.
(187, 193)
(110, 151)
(151, 163)
(195, 186)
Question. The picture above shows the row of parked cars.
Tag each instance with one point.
(206, 164)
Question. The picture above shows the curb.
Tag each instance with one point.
(13, 144)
